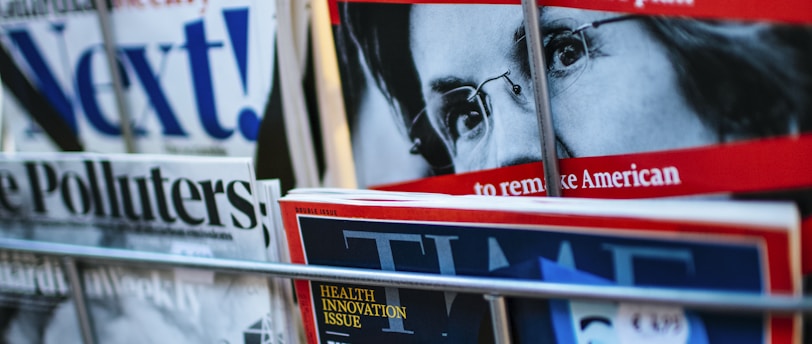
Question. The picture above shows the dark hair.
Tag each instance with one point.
(742, 79)
(381, 33)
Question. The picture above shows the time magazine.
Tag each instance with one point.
(720, 246)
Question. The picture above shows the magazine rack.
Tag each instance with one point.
(494, 290)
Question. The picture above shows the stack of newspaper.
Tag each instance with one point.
(206, 207)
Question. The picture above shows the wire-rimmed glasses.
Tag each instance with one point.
(568, 50)
(458, 121)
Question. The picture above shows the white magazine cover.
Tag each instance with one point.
(196, 75)
(179, 205)
(291, 73)
(286, 321)
(3, 127)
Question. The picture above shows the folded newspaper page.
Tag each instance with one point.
(178, 205)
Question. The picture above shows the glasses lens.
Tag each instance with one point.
(427, 143)
(566, 53)
(460, 117)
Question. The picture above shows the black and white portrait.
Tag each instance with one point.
(435, 89)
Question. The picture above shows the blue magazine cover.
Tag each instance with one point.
(532, 243)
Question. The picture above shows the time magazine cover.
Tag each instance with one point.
(719, 246)
(169, 204)
(196, 75)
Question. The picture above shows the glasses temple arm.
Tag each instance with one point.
(598, 23)
(516, 88)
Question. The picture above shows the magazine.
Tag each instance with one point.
(340, 171)
(2, 119)
(169, 204)
(196, 75)
(286, 322)
(736, 247)
(648, 98)
(289, 143)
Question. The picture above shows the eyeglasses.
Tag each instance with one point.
(455, 118)
(458, 121)
(567, 50)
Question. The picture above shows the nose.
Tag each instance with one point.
(515, 130)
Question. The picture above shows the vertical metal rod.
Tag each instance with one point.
(499, 318)
(532, 31)
(3, 130)
(78, 295)
(115, 78)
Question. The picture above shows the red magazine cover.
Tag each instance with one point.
(720, 246)
(648, 98)
(791, 11)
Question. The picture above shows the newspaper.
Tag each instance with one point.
(178, 205)
(196, 75)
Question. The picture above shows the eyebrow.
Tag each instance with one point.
(443, 85)
(519, 34)
(520, 53)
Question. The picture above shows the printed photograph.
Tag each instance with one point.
(436, 89)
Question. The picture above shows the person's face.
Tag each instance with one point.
(620, 95)
(617, 95)
(457, 46)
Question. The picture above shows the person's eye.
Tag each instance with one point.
(464, 120)
(564, 51)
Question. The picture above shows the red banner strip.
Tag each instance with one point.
(744, 167)
(785, 11)
(747, 167)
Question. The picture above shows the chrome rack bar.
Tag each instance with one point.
(79, 301)
(115, 78)
(538, 68)
(707, 300)
(499, 318)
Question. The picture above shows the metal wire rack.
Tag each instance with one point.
(494, 290)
